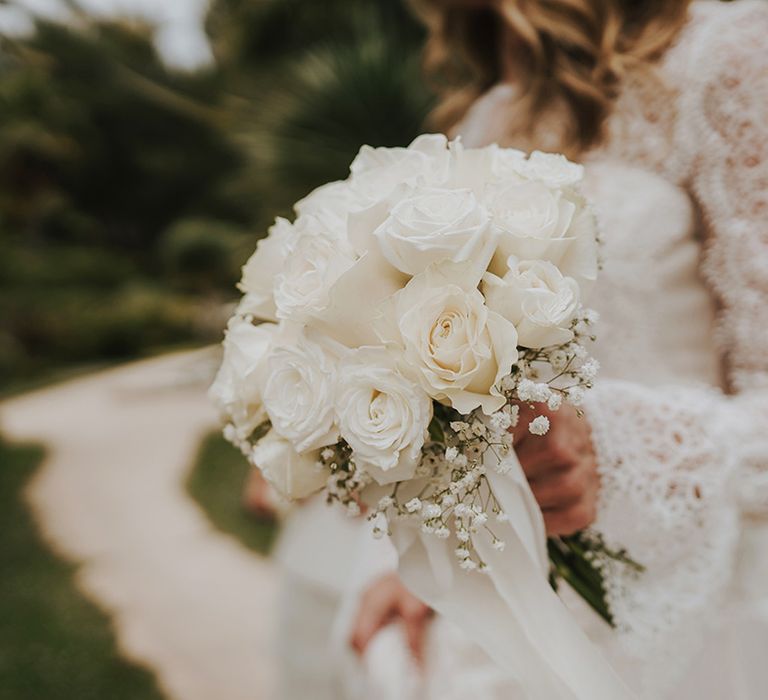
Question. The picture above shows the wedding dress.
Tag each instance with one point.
(680, 412)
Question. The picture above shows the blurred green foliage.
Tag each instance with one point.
(216, 482)
(130, 193)
(54, 644)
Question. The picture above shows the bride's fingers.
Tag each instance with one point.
(374, 614)
(559, 489)
(416, 616)
(567, 521)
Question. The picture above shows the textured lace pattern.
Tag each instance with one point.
(671, 456)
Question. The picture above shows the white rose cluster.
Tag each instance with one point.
(419, 291)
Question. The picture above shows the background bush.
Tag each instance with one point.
(131, 194)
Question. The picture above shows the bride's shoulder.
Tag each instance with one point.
(717, 29)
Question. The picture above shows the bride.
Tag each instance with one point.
(666, 102)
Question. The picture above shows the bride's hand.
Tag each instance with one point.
(561, 467)
(386, 601)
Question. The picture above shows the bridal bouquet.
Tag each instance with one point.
(388, 336)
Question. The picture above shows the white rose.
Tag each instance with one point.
(376, 172)
(292, 474)
(259, 272)
(456, 347)
(335, 199)
(553, 169)
(533, 222)
(432, 225)
(237, 389)
(537, 298)
(299, 391)
(314, 259)
(382, 415)
(476, 168)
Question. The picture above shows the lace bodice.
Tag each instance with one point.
(680, 413)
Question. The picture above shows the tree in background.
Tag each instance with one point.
(131, 193)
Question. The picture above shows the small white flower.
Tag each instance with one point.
(462, 552)
(508, 383)
(462, 510)
(462, 535)
(501, 421)
(427, 529)
(451, 454)
(468, 565)
(386, 502)
(579, 351)
(589, 369)
(528, 390)
(480, 520)
(555, 401)
(539, 425)
(448, 500)
(430, 511)
(499, 545)
(558, 359)
(327, 454)
(413, 506)
(353, 510)
(576, 395)
(502, 517)
(460, 462)
(443, 533)
(591, 316)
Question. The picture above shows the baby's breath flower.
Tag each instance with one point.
(499, 545)
(461, 552)
(589, 369)
(539, 425)
(467, 565)
(386, 502)
(529, 390)
(555, 401)
(451, 454)
(460, 462)
(480, 519)
(507, 383)
(443, 533)
(576, 395)
(502, 517)
(430, 511)
(327, 454)
(462, 510)
(448, 500)
(353, 510)
(413, 506)
(462, 535)
(558, 359)
(591, 316)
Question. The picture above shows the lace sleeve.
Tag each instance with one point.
(679, 465)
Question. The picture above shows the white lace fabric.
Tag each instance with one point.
(680, 419)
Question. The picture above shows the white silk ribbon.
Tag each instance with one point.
(512, 611)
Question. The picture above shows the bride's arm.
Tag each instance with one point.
(670, 458)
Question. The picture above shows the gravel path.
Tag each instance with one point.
(186, 600)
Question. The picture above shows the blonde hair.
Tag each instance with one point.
(568, 52)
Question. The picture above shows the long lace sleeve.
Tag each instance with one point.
(681, 465)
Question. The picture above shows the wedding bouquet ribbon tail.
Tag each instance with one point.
(511, 612)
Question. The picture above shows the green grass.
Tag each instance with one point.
(54, 644)
(216, 483)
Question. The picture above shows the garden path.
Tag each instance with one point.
(186, 600)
